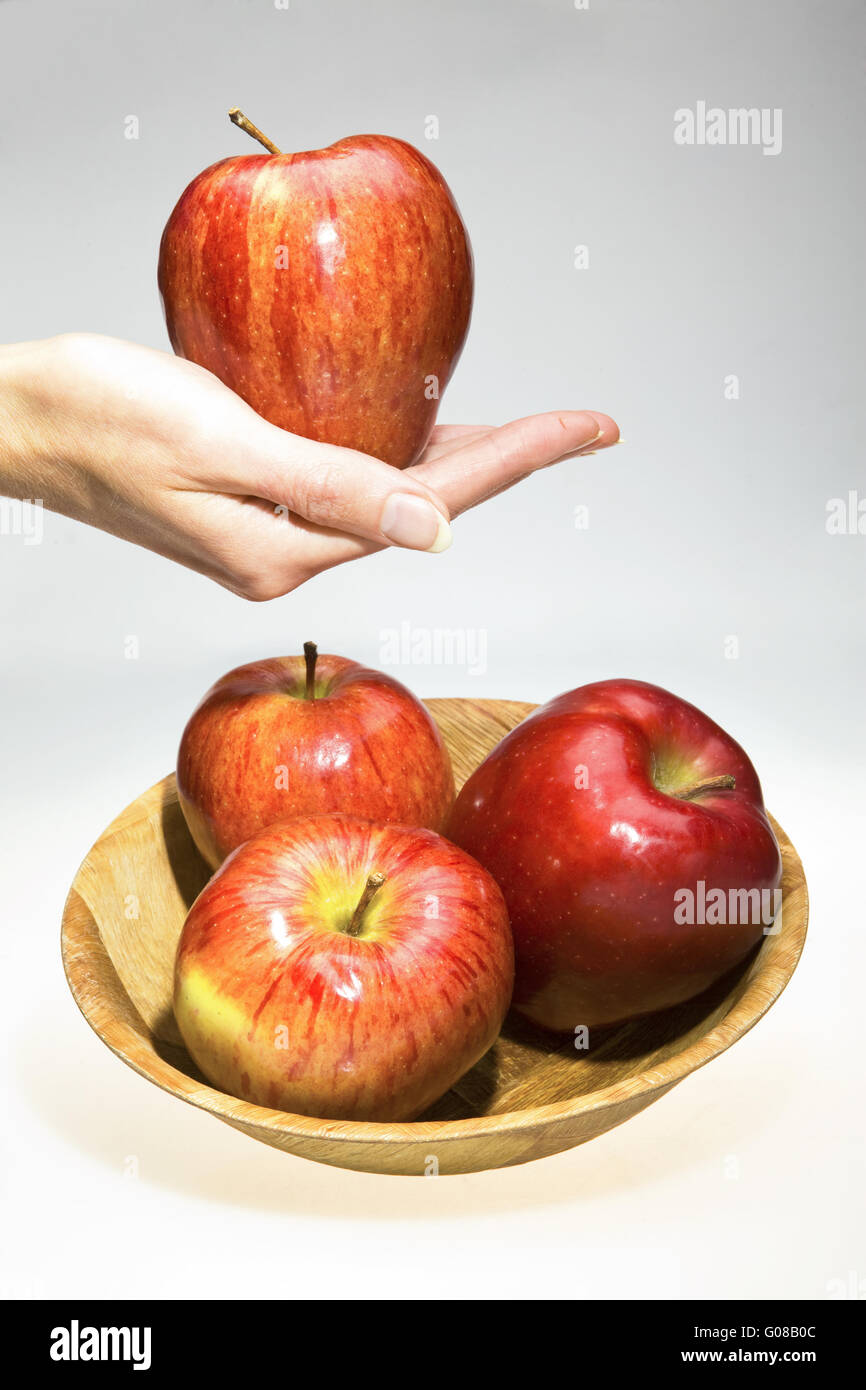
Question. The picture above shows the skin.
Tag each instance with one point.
(590, 861)
(158, 451)
(328, 288)
(278, 1005)
(363, 745)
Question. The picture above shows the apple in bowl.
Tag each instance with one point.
(344, 969)
(628, 834)
(306, 735)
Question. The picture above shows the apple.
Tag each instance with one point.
(342, 968)
(331, 289)
(300, 735)
(628, 834)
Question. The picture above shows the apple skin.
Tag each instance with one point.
(279, 1006)
(326, 288)
(589, 872)
(256, 751)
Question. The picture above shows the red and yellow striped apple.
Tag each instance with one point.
(344, 969)
(599, 817)
(331, 289)
(302, 735)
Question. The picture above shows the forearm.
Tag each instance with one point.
(44, 452)
(26, 470)
(17, 444)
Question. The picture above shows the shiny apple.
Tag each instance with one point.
(628, 834)
(331, 289)
(340, 968)
(301, 735)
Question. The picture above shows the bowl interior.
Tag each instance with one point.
(141, 877)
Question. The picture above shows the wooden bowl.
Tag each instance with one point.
(530, 1096)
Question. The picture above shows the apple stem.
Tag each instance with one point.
(371, 888)
(723, 783)
(311, 653)
(237, 117)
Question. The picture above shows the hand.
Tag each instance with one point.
(156, 450)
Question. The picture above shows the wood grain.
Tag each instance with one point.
(530, 1096)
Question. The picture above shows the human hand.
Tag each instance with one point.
(159, 452)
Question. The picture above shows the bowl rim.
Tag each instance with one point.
(82, 948)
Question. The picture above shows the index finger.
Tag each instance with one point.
(475, 466)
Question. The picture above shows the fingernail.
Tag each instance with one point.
(587, 448)
(415, 523)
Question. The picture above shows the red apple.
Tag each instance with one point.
(331, 289)
(608, 818)
(345, 969)
(299, 735)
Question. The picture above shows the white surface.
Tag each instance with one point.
(707, 522)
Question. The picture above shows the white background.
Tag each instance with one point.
(556, 129)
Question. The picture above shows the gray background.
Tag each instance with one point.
(556, 129)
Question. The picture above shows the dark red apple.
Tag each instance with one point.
(331, 289)
(628, 834)
(300, 735)
(344, 969)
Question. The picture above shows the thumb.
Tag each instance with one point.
(350, 492)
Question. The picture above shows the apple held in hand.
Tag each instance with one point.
(301, 735)
(628, 834)
(332, 289)
(344, 969)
